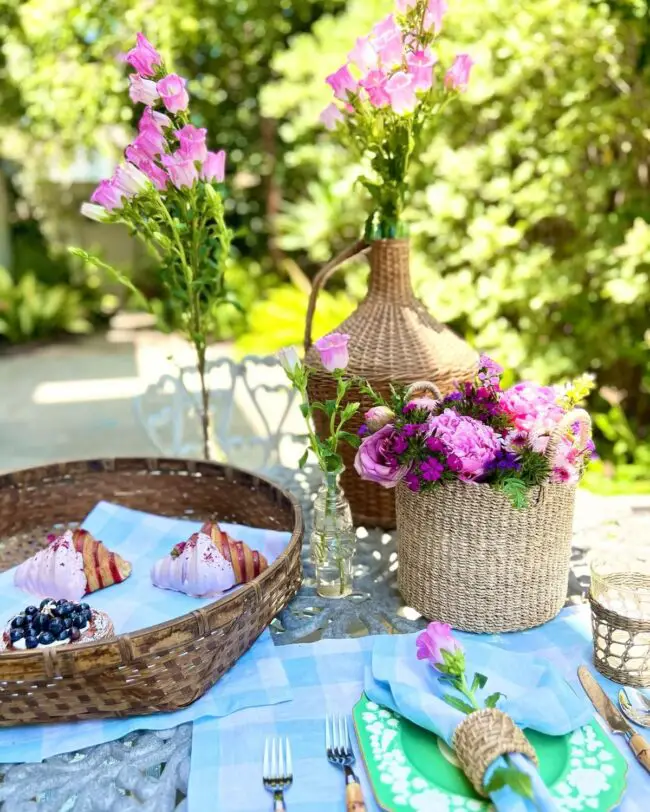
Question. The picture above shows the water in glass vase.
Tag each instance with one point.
(332, 539)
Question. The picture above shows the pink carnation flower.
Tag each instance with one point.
(473, 444)
(436, 10)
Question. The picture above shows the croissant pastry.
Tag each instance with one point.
(246, 563)
(71, 566)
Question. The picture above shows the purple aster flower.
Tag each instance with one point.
(363, 430)
(410, 407)
(431, 469)
(412, 481)
(411, 429)
(453, 397)
(399, 444)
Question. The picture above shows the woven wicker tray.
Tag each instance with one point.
(163, 667)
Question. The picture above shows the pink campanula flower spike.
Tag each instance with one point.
(144, 58)
(142, 90)
(173, 94)
(214, 167)
(333, 350)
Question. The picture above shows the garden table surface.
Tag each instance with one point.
(148, 771)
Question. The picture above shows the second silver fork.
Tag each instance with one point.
(340, 753)
(277, 770)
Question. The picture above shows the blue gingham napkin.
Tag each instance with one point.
(257, 679)
(328, 677)
(536, 696)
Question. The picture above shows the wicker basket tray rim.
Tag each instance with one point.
(122, 648)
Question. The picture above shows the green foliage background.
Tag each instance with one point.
(530, 216)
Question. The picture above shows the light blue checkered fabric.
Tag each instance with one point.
(258, 678)
(328, 677)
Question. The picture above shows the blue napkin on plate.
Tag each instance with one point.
(537, 697)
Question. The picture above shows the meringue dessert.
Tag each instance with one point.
(55, 623)
(71, 566)
(208, 564)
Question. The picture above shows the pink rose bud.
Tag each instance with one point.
(363, 55)
(130, 180)
(93, 212)
(172, 92)
(214, 167)
(401, 92)
(144, 57)
(182, 171)
(421, 68)
(142, 90)
(333, 351)
(378, 417)
(435, 639)
(108, 195)
(436, 10)
(457, 77)
(192, 141)
(330, 116)
(342, 82)
(375, 86)
(156, 174)
(150, 141)
(150, 118)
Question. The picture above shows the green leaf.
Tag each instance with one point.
(349, 410)
(351, 439)
(91, 259)
(459, 704)
(516, 491)
(511, 777)
(330, 407)
(304, 409)
(491, 701)
(303, 460)
(478, 682)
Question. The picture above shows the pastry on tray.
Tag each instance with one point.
(71, 566)
(55, 623)
(208, 564)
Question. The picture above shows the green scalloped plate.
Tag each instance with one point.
(411, 769)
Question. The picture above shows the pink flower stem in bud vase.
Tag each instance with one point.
(169, 192)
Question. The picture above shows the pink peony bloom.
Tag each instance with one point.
(472, 442)
(420, 65)
(333, 350)
(182, 171)
(150, 141)
(363, 55)
(342, 82)
(152, 118)
(129, 180)
(528, 402)
(401, 92)
(330, 116)
(214, 167)
(457, 77)
(142, 90)
(389, 47)
(375, 86)
(144, 57)
(192, 142)
(172, 92)
(386, 25)
(108, 195)
(435, 639)
(436, 10)
(378, 417)
(156, 174)
(376, 460)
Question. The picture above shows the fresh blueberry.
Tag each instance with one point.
(87, 613)
(61, 601)
(42, 622)
(16, 634)
(45, 638)
(67, 622)
(75, 634)
(64, 635)
(76, 620)
(31, 642)
(31, 610)
(84, 606)
(18, 622)
(65, 609)
(56, 627)
(46, 601)
(83, 621)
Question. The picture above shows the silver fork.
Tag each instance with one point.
(340, 753)
(277, 771)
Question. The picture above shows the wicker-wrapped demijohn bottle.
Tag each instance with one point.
(393, 340)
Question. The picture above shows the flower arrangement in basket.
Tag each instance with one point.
(485, 482)
(169, 192)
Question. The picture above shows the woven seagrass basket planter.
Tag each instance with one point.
(393, 340)
(160, 668)
(469, 558)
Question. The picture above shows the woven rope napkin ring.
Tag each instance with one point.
(482, 737)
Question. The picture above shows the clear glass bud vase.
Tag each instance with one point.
(333, 539)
